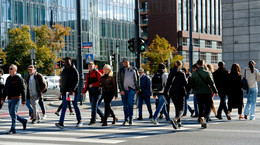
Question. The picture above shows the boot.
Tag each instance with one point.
(115, 119)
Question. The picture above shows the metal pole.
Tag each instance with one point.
(191, 29)
(79, 59)
(137, 33)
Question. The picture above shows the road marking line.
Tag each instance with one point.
(25, 143)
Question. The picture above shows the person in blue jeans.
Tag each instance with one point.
(158, 91)
(128, 82)
(69, 80)
(92, 84)
(252, 76)
(15, 90)
(144, 94)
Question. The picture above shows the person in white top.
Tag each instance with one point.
(252, 76)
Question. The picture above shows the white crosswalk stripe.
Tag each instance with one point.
(46, 132)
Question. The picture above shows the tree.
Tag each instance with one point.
(49, 41)
(19, 48)
(3, 56)
(159, 52)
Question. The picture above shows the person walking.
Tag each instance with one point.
(220, 78)
(109, 90)
(2, 85)
(36, 84)
(195, 101)
(186, 105)
(144, 94)
(235, 92)
(203, 85)
(128, 82)
(92, 84)
(60, 107)
(175, 89)
(159, 81)
(252, 76)
(69, 80)
(15, 90)
(211, 70)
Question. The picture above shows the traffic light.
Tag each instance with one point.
(131, 45)
(114, 57)
(141, 44)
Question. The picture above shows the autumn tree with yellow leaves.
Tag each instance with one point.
(158, 52)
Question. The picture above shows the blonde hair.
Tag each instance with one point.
(14, 66)
(210, 68)
(109, 68)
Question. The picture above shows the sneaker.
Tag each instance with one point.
(154, 121)
(57, 113)
(11, 132)
(174, 124)
(245, 116)
(131, 122)
(79, 124)
(124, 123)
(91, 123)
(219, 117)
(44, 116)
(72, 113)
(61, 126)
(24, 125)
(203, 124)
(140, 118)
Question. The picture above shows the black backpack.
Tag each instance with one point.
(157, 84)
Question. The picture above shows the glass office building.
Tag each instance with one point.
(106, 23)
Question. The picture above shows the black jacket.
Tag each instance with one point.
(220, 77)
(69, 80)
(176, 87)
(121, 78)
(14, 88)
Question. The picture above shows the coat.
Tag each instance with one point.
(235, 92)
(220, 78)
(108, 85)
(145, 84)
(121, 78)
(40, 84)
(69, 80)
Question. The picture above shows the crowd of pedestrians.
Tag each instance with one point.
(203, 82)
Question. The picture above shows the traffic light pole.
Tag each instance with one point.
(137, 34)
(79, 59)
(191, 46)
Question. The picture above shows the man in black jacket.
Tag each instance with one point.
(69, 80)
(220, 78)
(15, 89)
(128, 82)
(175, 85)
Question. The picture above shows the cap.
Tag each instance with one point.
(140, 70)
(31, 67)
(125, 59)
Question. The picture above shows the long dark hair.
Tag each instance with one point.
(251, 65)
(235, 69)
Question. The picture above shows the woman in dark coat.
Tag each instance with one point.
(235, 93)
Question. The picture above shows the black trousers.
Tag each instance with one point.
(178, 102)
(223, 104)
(108, 97)
(205, 104)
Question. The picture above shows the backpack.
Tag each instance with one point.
(157, 84)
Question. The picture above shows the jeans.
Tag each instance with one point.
(95, 108)
(13, 108)
(195, 102)
(65, 105)
(29, 106)
(251, 102)
(186, 105)
(223, 104)
(161, 107)
(128, 103)
(205, 104)
(148, 104)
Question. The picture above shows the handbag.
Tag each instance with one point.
(244, 82)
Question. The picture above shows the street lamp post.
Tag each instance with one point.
(191, 29)
(137, 34)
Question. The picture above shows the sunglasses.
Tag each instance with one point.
(10, 68)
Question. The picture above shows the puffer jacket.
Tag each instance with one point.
(252, 78)
(176, 83)
(199, 86)
(69, 80)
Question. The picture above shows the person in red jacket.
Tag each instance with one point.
(92, 84)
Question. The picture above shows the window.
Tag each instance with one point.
(214, 58)
(196, 43)
(203, 56)
(187, 57)
(208, 44)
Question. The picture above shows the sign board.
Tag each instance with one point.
(89, 58)
(87, 44)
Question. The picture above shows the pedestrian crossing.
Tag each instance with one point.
(47, 133)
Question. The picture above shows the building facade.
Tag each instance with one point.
(106, 23)
(170, 19)
(241, 32)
